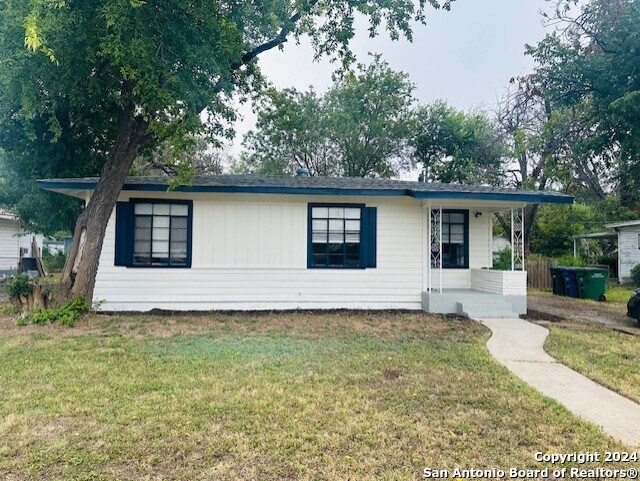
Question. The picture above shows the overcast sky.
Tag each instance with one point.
(465, 56)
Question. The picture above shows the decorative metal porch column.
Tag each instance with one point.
(517, 239)
(435, 245)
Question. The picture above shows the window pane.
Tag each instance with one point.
(179, 209)
(141, 259)
(353, 237)
(319, 225)
(320, 249)
(352, 213)
(178, 235)
(142, 247)
(457, 239)
(336, 260)
(179, 222)
(457, 218)
(160, 248)
(352, 249)
(161, 209)
(160, 221)
(320, 212)
(352, 225)
(179, 248)
(336, 225)
(336, 212)
(143, 221)
(336, 237)
(320, 260)
(319, 237)
(160, 233)
(457, 229)
(445, 217)
(142, 209)
(143, 234)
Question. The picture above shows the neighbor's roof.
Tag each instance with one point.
(629, 223)
(596, 235)
(264, 184)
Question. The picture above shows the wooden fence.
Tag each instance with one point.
(538, 276)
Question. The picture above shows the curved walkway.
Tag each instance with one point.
(519, 345)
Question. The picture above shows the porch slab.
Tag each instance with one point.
(449, 301)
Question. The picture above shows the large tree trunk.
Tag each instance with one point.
(78, 278)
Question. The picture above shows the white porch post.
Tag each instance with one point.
(513, 247)
(428, 247)
(517, 239)
(435, 244)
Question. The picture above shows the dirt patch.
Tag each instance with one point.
(556, 308)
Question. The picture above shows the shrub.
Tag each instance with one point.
(53, 262)
(18, 286)
(502, 262)
(635, 274)
(570, 261)
(65, 315)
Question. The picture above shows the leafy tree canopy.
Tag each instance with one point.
(455, 146)
(359, 128)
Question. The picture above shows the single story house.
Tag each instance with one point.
(626, 235)
(251, 242)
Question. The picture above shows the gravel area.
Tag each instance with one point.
(548, 307)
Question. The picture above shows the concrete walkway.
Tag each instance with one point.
(518, 345)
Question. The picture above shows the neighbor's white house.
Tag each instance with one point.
(253, 242)
(14, 242)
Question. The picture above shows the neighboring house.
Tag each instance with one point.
(261, 242)
(14, 242)
(628, 246)
(627, 237)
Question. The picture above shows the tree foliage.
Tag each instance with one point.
(359, 128)
(590, 68)
(455, 146)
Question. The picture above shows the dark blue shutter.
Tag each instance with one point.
(124, 234)
(368, 236)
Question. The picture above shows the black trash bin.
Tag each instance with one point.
(557, 281)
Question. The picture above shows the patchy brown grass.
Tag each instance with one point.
(303, 395)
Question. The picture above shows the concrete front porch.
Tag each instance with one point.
(473, 303)
(492, 293)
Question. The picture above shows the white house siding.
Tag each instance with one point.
(250, 252)
(628, 250)
(9, 244)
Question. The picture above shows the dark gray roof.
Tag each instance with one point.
(266, 184)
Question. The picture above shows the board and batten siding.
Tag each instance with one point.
(628, 250)
(250, 252)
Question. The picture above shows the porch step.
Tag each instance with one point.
(485, 309)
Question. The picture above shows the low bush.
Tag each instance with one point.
(635, 275)
(54, 262)
(570, 261)
(502, 261)
(17, 286)
(65, 315)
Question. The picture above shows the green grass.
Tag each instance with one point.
(286, 396)
(614, 293)
(620, 294)
(609, 357)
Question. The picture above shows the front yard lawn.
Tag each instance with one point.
(608, 357)
(271, 396)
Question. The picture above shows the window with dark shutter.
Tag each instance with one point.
(341, 236)
(153, 233)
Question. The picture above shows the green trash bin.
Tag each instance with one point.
(592, 282)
